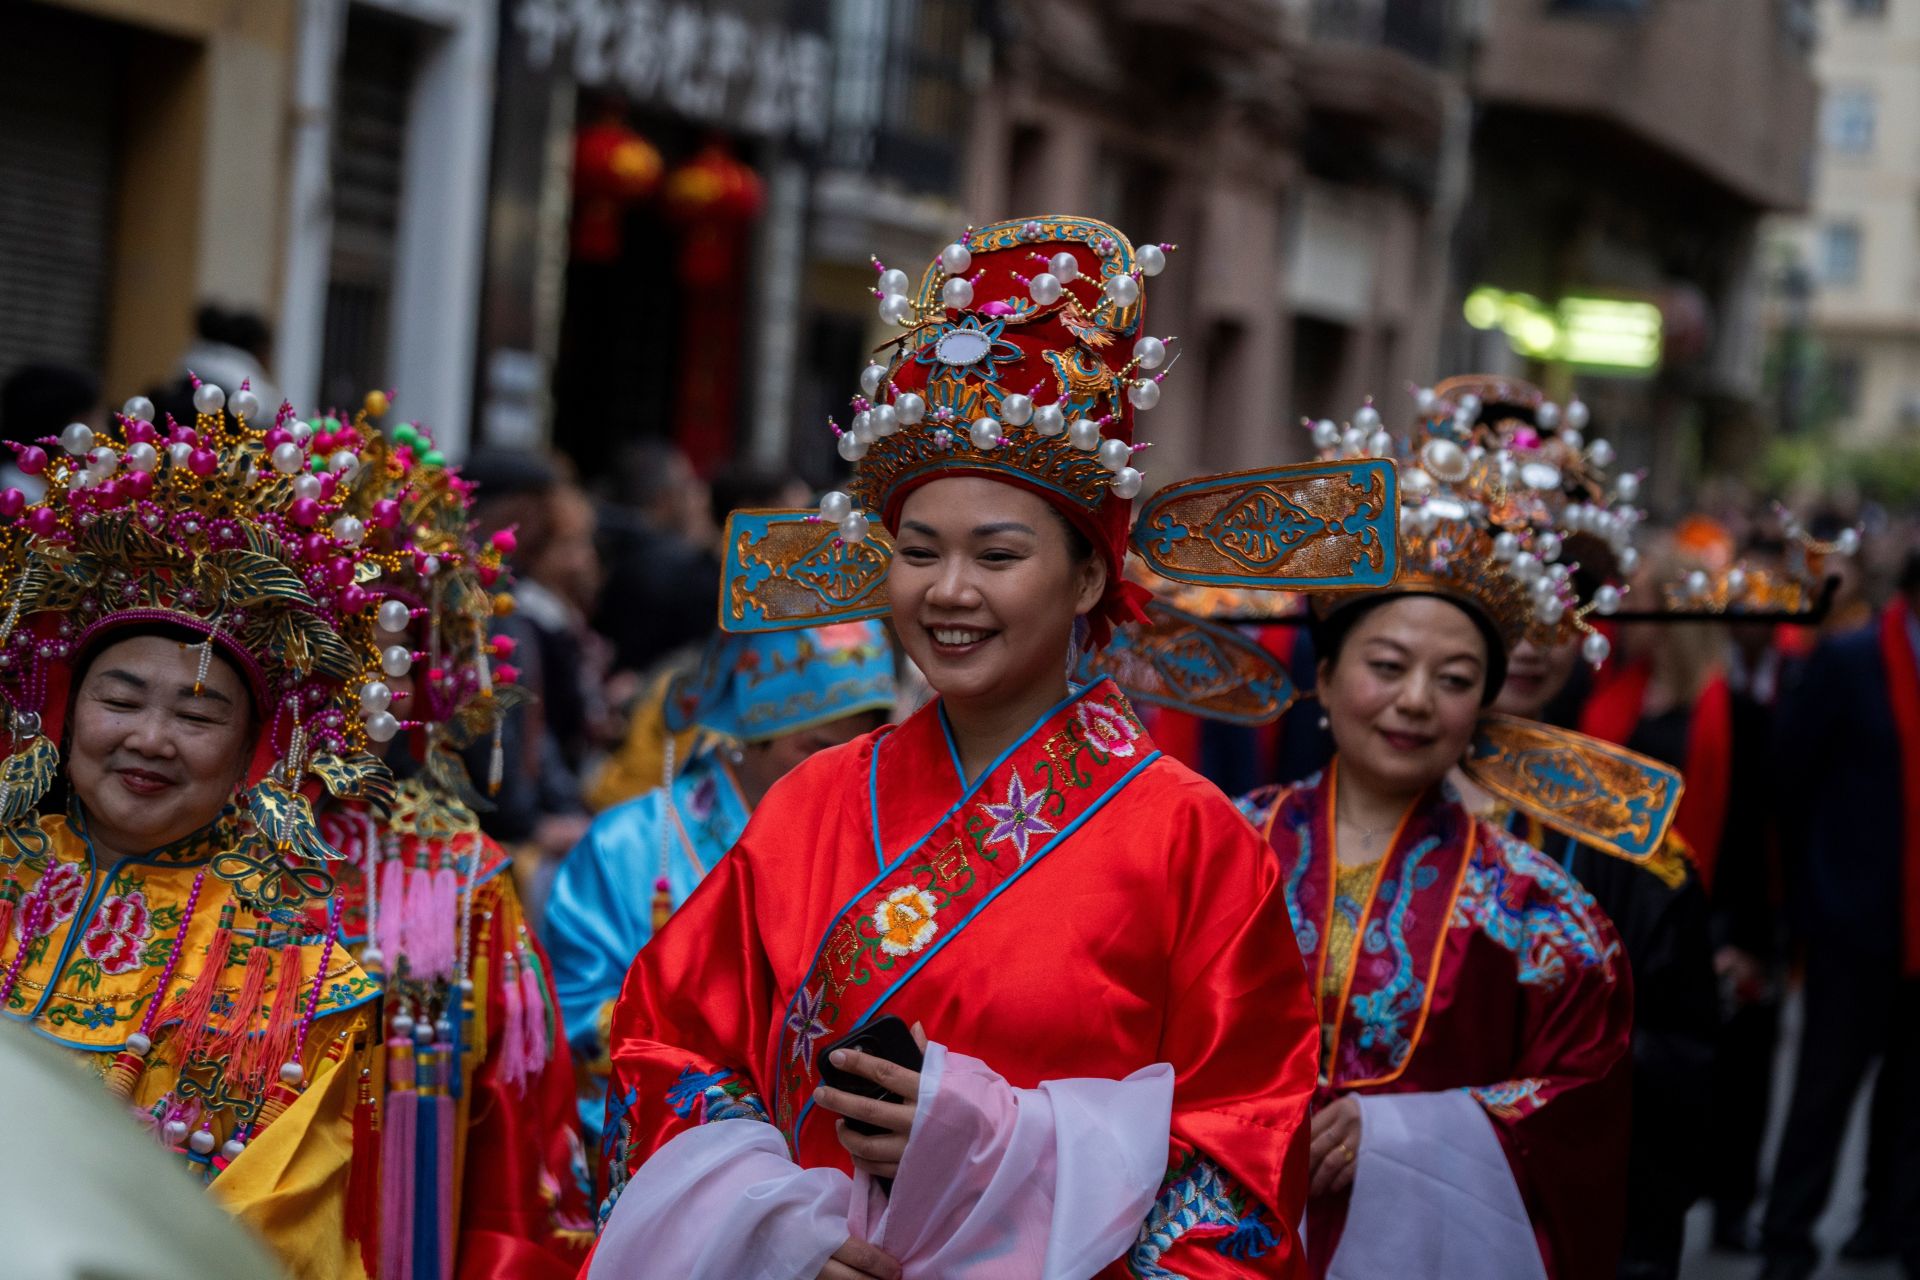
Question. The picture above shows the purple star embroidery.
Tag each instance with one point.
(1019, 818)
(805, 1023)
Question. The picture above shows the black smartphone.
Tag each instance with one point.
(885, 1037)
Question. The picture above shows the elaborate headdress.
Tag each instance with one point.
(1024, 359)
(223, 530)
(759, 686)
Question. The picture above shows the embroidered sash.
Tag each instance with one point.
(1378, 1013)
(1028, 802)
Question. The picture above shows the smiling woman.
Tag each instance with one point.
(1016, 871)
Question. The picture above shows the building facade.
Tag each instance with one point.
(1851, 267)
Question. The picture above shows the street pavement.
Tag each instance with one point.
(1701, 1262)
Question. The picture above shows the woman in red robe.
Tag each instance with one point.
(1475, 1004)
(1088, 938)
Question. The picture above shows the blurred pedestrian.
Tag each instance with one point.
(657, 535)
(1849, 739)
(232, 345)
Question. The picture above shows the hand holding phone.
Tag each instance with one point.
(885, 1037)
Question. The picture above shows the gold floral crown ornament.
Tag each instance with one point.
(443, 589)
(1505, 506)
(224, 530)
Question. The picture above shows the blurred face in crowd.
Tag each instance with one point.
(986, 583)
(569, 564)
(1535, 676)
(764, 763)
(1402, 693)
(152, 760)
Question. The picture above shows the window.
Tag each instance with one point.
(1850, 120)
(1840, 253)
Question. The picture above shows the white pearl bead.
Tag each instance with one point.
(288, 457)
(955, 258)
(851, 447)
(395, 660)
(862, 427)
(957, 293)
(138, 1045)
(1380, 445)
(1600, 453)
(103, 462)
(77, 439)
(1573, 439)
(1150, 352)
(1848, 542)
(1352, 443)
(1326, 434)
(1049, 419)
(232, 1149)
(1124, 290)
(1697, 583)
(854, 529)
(349, 530)
(872, 378)
(886, 420)
(1115, 454)
(1606, 600)
(179, 453)
(375, 696)
(1547, 416)
(1526, 566)
(1626, 486)
(1064, 265)
(1144, 394)
(1367, 418)
(1595, 648)
(1126, 483)
(985, 433)
(430, 566)
(245, 405)
(292, 1073)
(1549, 546)
(896, 310)
(1577, 415)
(1468, 404)
(1152, 259)
(208, 398)
(303, 486)
(1445, 460)
(300, 430)
(1505, 547)
(1084, 434)
(174, 1131)
(835, 506)
(1550, 610)
(202, 1141)
(142, 456)
(1044, 289)
(894, 282)
(1629, 559)
(1736, 584)
(382, 726)
(343, 460)
(910, 407)
(395, 616)
(138, 408)
(1424, 399)
(1016, 410)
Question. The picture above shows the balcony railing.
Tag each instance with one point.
(1417, 28)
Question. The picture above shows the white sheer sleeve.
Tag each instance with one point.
(1433, 1196)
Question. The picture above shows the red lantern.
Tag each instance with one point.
(713, 197)
(614, 168)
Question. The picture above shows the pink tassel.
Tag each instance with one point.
(514, 1069)
(533, 998)
(393, 873)
(446, 915)
(416, 930)
(397, 1163)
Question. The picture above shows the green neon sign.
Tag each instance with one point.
(1618, 334)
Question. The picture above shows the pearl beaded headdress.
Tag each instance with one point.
(223, 529)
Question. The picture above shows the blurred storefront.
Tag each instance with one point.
(1624, 155)
(141, 166)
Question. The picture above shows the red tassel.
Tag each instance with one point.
(235, 1041)
(283, 1023)
(363, 1178)
(193, 1008)
(513, 1069)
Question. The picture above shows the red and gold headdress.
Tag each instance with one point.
(225, 530)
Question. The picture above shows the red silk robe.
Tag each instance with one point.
(1088, 908)
(1480, 965)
